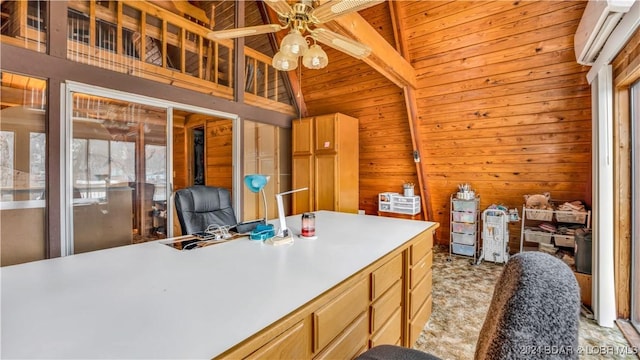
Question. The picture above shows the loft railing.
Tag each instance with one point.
(142, 39)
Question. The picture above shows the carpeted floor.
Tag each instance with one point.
(461, 296)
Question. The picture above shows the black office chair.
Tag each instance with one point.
(199, 206)
(534, 314)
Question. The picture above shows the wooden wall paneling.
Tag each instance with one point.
(626, 70)
(180, 166)
(502, 103)
(219, 153)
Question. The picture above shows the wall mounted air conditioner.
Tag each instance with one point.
(599, 19)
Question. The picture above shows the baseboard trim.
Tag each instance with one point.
(630, 333)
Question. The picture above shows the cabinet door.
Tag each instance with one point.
(302, 136)
(302, 177)
(325, 130)
(326, 182)
(291, 344)
(335, 316)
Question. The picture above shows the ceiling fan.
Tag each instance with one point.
(302, 17)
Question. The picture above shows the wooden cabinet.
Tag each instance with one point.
(385, 312)
(325, 159)
(375, 306)
(418, 291)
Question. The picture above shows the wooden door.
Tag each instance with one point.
(326, 175)
(302, 171)
(303, 177)
(325, 133)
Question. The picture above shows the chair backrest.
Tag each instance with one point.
(199, 206)
(534, 312)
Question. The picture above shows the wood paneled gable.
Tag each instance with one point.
(501, 103)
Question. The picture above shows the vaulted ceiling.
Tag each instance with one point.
(499, 100)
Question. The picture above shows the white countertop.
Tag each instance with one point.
(152, 301)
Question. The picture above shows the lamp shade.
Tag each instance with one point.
(294, 44)
(255, 182)
(284, 63)
(315, 58)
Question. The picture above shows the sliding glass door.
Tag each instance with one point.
(23, 155)
(118, 172)
(635, 205)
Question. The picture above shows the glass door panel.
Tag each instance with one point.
(23, 201)
(119, 172)
(267, 151)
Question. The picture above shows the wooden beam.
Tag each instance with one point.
(412, 115)
(183, 7)
(383, 58)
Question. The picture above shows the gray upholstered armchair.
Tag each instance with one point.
(199, 206)
(534, 314)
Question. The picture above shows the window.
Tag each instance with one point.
(7, 161)
(23, 171)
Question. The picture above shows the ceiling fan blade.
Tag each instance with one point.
(334, 8)
(282, 7)
(341, 43)
(245, 31)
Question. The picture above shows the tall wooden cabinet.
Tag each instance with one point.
(325, 159)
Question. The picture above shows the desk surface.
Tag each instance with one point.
(153, 301)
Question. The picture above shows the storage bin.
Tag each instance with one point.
(575, 217)
(465, 239)
(466, 250)
(462, 205)
(537, 214)
(583, 250)
(564, 240)
(464, 228)
(468, 217)
(537, 236)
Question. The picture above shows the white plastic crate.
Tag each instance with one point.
(463, 216)
(466, 250)
(464, 205)
(463, 228)
(405, 204)
(464, 239)
(384, 201)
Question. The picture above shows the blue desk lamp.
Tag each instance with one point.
(255, 183)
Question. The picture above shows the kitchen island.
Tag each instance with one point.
(365, 280)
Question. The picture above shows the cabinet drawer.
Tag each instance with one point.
(332, 318)
(349, 343)
(421, 247)
(419, 270)
(385, 276)
(383, 308)
(291, 344)
(420, 294)
(419, 321)
(390, 332)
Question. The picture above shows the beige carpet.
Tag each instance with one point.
(461, 297)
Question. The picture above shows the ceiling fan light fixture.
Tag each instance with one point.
(283, 62)
(294, 44)
(315, 58)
